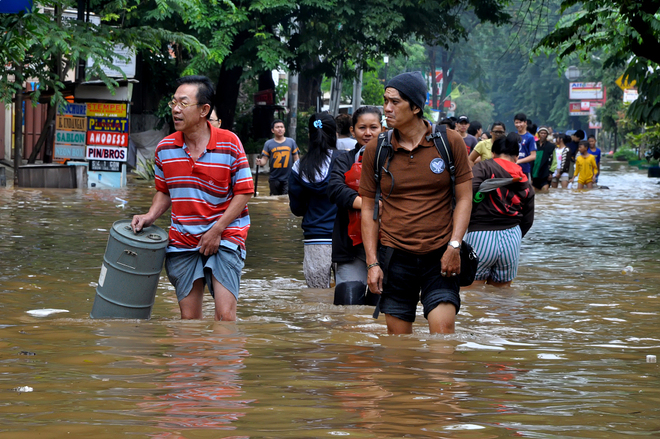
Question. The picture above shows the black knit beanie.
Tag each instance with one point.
(411, 84)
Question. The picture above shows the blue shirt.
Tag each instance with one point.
(595, 153)
(527, 145)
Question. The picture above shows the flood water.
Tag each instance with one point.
(563, 353)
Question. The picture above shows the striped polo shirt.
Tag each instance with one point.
(202, 190)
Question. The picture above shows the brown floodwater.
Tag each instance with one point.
(563, 353)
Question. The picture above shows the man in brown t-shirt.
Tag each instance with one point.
(420, 233)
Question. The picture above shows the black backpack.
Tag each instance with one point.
(385, 152)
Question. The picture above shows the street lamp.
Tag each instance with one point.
(572, 73)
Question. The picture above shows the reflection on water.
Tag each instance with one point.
(560, 354)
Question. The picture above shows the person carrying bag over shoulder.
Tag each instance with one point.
(426, 200)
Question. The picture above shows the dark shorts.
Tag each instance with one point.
(408, 274)
(279, 187)
(538, 183)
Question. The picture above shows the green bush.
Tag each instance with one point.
(625, 153)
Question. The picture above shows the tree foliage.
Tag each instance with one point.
(32, 44)
(626, 32)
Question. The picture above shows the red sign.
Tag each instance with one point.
(107, 139)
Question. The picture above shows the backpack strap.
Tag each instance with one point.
(441, 141)
(384, 150)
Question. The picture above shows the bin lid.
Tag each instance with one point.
(148, 235)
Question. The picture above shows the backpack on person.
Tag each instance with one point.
(385, 152)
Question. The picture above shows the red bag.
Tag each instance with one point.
(352, 178)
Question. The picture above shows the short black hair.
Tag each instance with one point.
(579, 134)
(406, 98)
(584, 143)
(567, 139)
(205, 90)
(509, 145)
(474, 127)
(343, 122)
(272, 125)
(531, 129)
(450, 123)
(498, 124)
(520, 116)
(591, 136)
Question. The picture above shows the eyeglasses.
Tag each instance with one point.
(174, 103)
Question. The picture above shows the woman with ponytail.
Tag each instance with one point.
(308, 184)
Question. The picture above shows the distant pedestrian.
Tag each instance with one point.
(576, 137)
(482, 151)
(527, 153)
(344, 140)
(562, 157)
(280, 153)
(502, 213)
(545, 162)
(462, 125)
(475, 130)
(585, 167)
(594, 151)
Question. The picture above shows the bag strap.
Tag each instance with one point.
(384, 150)
(439, 137)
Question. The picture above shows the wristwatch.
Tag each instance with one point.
(455, 244)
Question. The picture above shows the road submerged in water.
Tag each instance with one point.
(563, 353)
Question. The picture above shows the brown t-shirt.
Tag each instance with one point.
(417, 200)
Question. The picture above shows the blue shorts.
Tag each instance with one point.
(184, 268)
(498, 251)
(406, 275)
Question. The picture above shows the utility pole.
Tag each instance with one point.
(293, 104)
(335, 91)
(357, 91)
(18, 116)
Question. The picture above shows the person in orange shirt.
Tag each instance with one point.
(585, 167)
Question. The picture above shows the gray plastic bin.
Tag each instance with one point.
(129, 276)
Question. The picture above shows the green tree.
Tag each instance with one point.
(475, 106)
(626, 32)
(41, 45)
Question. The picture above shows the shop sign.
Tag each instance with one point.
(104, 165)
(96, 152)
(71, 123)
(575, 109)
(107, 139)
(70, 137)
(108, 124)
(587, 91)
(68, 152)
(630, 95)
(105, 109)
(73, 110)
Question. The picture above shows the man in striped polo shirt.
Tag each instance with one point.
(203, 174)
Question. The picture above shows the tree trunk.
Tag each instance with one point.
(228, 87)
(309, 87)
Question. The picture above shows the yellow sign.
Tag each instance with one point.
(624, 84)
(106, 110)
